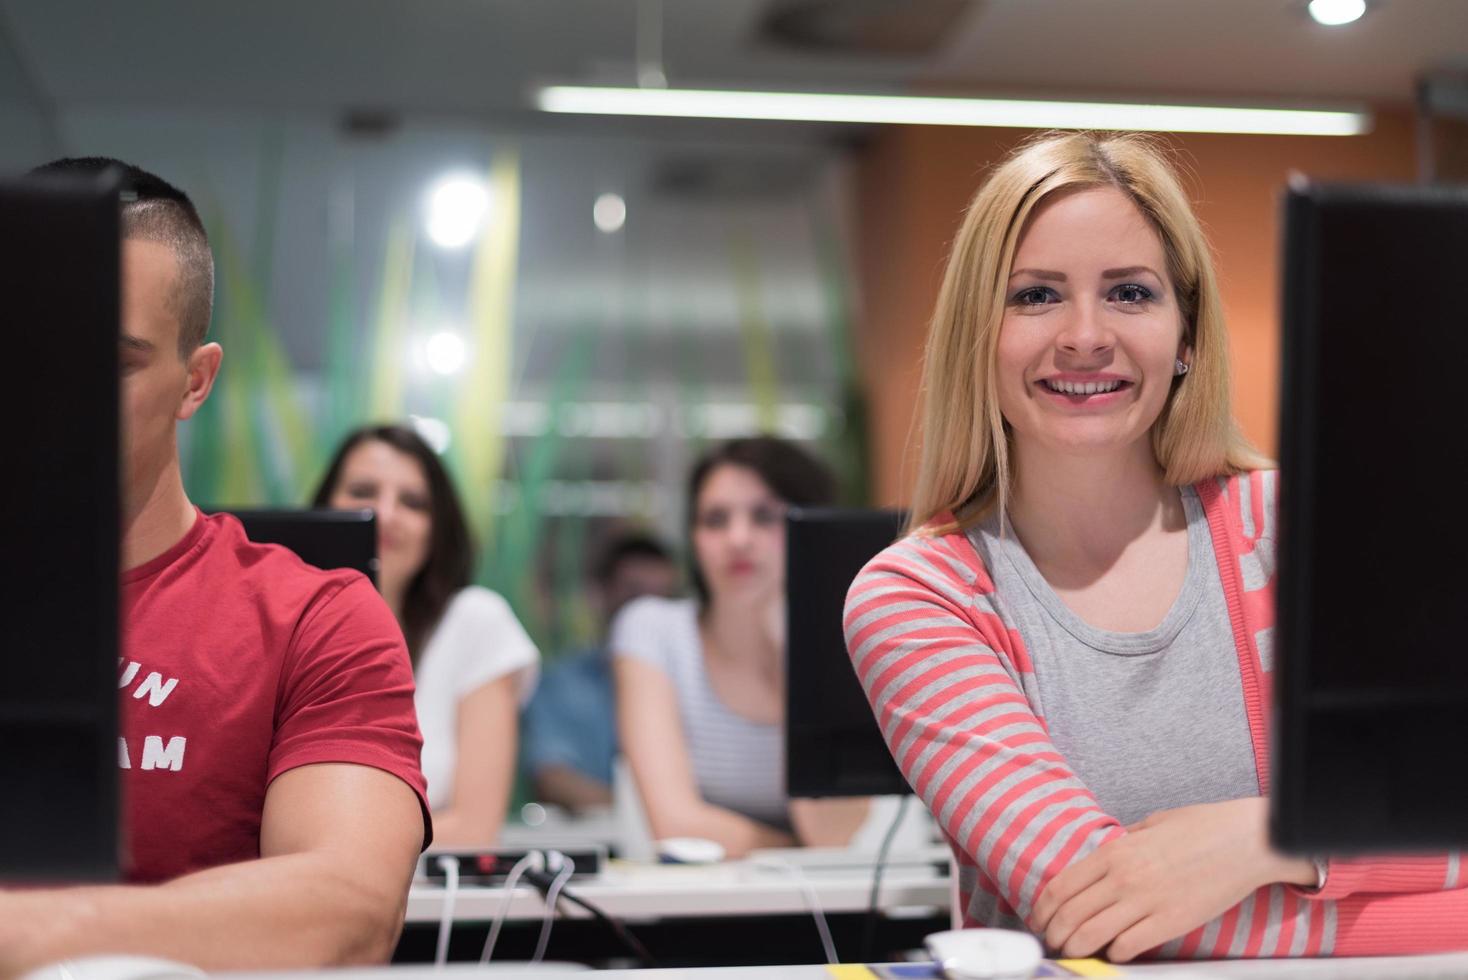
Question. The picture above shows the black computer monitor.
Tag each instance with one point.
(59, 274)
(324, 538)
(833, 746)
(1372, 601)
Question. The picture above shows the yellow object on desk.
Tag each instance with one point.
(1048, 968)
(1090, 968)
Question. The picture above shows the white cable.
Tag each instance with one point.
(812, 901)
(511, 880)
(820, 916)
(450, 867)
(552, 895)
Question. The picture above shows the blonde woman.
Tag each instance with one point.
(1069, 654)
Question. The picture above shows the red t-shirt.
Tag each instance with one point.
(239, 662)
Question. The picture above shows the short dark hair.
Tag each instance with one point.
(450, 561)
(624, 547)
(795, 476)
(156, 211)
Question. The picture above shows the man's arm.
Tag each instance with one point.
(338, 845)
(567, 786)
(565, 727)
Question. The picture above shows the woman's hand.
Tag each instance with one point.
(1171, 873)
(829, 822)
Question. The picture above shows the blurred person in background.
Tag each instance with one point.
(472, 660)
(570, 726)
(701, 682)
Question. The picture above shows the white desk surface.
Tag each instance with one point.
(1450, 966)
(642, 892)
(632, 892)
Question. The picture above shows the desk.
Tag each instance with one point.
(1448, 966)
(739, 912)
(1445, 966)
(640, 892)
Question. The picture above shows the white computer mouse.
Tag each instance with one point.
(689, 850)
(115, 967)
(986, 954)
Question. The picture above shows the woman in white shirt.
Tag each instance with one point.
(472, 661)
(700, 683)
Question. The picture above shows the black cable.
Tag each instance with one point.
(868, 928)
(542, 882)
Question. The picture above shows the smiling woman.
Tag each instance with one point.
(966, 465)
(1064, 653)
(1086, 348)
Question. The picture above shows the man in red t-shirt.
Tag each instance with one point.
(273, 803)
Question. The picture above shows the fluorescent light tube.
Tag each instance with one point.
(934, 111)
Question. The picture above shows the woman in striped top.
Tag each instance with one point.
(1069, 653)
(700, 684)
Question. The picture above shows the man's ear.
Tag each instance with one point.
(203, 369)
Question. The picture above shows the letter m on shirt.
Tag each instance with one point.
(158, 756)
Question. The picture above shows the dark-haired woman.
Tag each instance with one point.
(700, 683)
(472, 661)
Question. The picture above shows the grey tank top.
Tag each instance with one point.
(739, 764)
(1148, 721)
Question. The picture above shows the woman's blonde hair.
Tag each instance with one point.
(964, 466)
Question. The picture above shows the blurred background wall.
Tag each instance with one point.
(913, 183)
(569, 374)
(573, 351)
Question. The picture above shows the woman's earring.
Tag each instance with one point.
(1180, 367)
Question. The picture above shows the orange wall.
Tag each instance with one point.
(913, 183)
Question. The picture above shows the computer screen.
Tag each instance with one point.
(59, 267)
(324, 538)
(833, 746)
(1372, 629)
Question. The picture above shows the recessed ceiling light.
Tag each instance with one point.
(1334, 13)
(457, 205)
(445, 353)
(934, 111)
(609, 213)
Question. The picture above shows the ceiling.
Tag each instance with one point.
(366, 101)
(203, 89)
(480, 57)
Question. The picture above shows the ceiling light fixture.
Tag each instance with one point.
(1334, 13)
(609, 213)
(445, 353)
(457, 207)
(938, 111)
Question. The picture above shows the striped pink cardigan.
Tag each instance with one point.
(942, 671)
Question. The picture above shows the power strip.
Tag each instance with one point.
(489, 866)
